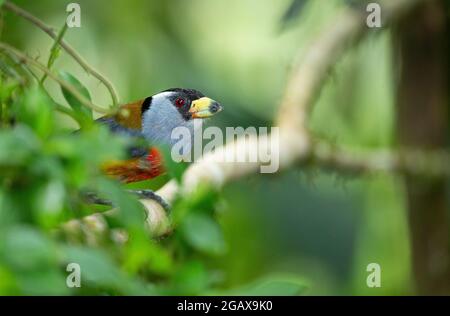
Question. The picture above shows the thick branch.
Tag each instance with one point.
(294, 143)
(416, 163)
(300, 94)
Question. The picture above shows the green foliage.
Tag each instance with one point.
(29, 259)
(202, 233)
(83, 113)
(294, 9)
(174, 169)
(232, 242)
(55, 51)
(36, 111)
(271, 285)
(71, 100)
(45, 171)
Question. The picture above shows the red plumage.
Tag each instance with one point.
(136, 169)
(140, 167)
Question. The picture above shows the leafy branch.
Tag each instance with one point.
(54, 51)
(27, 60)
(69, 49)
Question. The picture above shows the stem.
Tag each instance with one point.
(24, 58)
(69, 50)
(54, 51)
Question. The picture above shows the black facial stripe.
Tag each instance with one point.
(146, 104)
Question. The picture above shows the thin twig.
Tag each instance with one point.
(69, 50)
(24, 58)
(54, 51)
(11, 72)
(23, 66)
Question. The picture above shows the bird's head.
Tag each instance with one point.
(189, 103)
(172, 108)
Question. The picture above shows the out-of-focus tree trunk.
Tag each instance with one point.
(422, 39)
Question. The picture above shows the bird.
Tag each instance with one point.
(152, 120)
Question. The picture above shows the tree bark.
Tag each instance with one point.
(422, 39)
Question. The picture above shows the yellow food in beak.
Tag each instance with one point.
(204, 107)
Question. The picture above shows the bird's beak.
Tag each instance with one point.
(204, 107)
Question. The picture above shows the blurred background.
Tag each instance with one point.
(316, 228)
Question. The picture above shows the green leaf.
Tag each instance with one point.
(99, 270)
(202, 200)
(8, 210)
(203, 234)
(7, 89)
(71, 100)
(173, 168)
(191, 279)
(49, 281)
(56, 48)
(96, 266)
(277, 287)
(8, 286)
(55, 51)
(49, 203)
(132, 213)
(271, 286)
(26, 249)
(37, 111)
(292, 12)
(22, 154)
(143, 254)
(31, 264)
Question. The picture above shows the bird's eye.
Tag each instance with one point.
(179, 102)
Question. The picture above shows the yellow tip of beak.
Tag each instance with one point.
(204, 108)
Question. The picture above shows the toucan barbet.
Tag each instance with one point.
(154, 119)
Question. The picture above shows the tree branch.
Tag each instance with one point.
(25, 59)
(295, 144)
(69, 49)
(416, 163)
